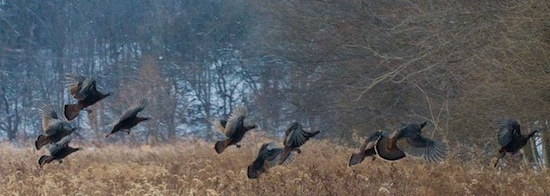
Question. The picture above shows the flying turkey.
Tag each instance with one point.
(295, 137)
(129, 118)
(269, 156)
(84, 90)
(58, 151)
(234, 129)
(409, 140)
(54, 127)
(510, 138)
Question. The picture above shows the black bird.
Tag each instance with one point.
(129, 118)
(409, 140)
(510, 138)
(234, 129)
(84, 91)
(295, 137)
(54, 127)
(269, 156)
(367, 148)
(58, 151)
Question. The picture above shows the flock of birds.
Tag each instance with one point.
(407, 140)
(270, 155)
(58, 130)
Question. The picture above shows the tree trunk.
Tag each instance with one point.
(545, 142)
(528, 152)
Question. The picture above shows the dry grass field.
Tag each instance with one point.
(193, 168)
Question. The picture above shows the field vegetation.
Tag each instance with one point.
(193, 168)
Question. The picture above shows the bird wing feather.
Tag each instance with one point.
(132, 112)
(219, 125)
(419, 146)
(505, 131)
(295, 136)
(74, 83)
(237, 117)
(85, 89)
(273, 157)
(50, 120)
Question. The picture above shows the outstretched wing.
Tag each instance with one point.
(274, 158)
(131, 112)
(236, 119)
(507, 128)
(287, 160)
(75, 84)
(258, 165)
(219, 125)
(49, 117)
(419, 146)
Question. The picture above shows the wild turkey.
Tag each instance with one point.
(129, 118)
(367, 148)
(58, 151)
(234, 129)
(54, 127)
(84, 91)
(269, 156)
(295, 137)
(510, 138)
(409, 140)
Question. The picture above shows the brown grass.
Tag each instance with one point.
(193, 168)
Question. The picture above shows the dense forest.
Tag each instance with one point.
(347, 68)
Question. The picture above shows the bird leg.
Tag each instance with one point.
(297, 150)
(501, 155)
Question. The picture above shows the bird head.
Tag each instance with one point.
(423, 124)
(268, 146)
(250, 127)
(71, 150)
(534, 131)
